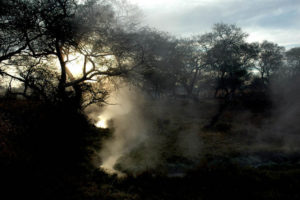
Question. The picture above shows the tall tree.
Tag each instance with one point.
(192, 65)
(229, 56)
(157, 74)
(61, 31)
(270, 60)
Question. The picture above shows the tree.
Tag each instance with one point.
(191, 64)
(57, 32)
(158, 71)
(270, 60)
(12, 37)
(293, 60)
(169, 64)
(229, 56)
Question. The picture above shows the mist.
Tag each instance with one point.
(283, 126)
(168, 136)
(98, 101)
(146, 132)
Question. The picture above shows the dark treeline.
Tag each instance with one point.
(48, 145)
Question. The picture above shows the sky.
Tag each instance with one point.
(273, 20)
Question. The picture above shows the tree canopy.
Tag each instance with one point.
(42, 41)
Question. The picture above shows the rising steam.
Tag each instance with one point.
(167, 135)
(146, 133)
(128, 125)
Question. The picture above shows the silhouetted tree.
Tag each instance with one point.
(270, 60)
(293, 60)
(158, 71)
(229, 56)
(57, 32)
(191, 64)
(12, 24)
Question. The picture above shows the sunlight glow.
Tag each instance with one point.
(108, 167)
(75, 64)
(101, 123)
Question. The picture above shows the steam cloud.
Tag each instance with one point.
(166, 135)
(146, 133)
(130, 127)
(283, 129)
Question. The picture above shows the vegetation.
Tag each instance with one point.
(234, 92)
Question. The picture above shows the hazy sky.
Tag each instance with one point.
(273, 20)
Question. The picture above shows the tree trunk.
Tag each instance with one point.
(63, 75)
